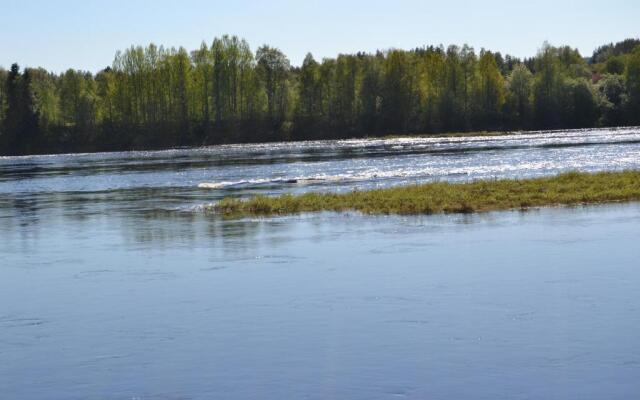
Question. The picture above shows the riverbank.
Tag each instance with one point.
(571, 188)
(64, 149)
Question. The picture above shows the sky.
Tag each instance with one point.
(85, 34)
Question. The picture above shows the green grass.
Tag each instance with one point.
(478, 196)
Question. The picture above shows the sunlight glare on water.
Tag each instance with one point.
(113, 285)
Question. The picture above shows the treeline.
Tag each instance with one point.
(155, 97)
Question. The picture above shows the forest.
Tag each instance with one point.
(154, 97)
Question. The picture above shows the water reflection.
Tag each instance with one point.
(114, 283)
(323, 304)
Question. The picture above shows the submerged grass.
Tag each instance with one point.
(570, 188)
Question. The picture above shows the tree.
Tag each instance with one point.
(3, 102)
(310, 100)
(180, 67)
(220, 81)
(491, 95)
(612, 96)
(346, 90)
(28, 129)
(546, 88)
(273, 66)
(450, 104)
(370, 96)
(13, 109)
(246, 93)
(21, 121)
(154, 97)
(632, 82)
(519, 95)
(603, 53)
(431, 72)
(614, 65)
(397, 92)
(577, 104)
(202, 79)
(468, 62)
(106, 81)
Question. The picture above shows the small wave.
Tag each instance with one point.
(253, 182)
(224, 184)
(310, 180)
(492, 168)
(217, 185)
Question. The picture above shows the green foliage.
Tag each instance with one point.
(20, 125)
(309, 105)
(547, 88)
(577, 104)
(612, 95)
(614, 65)
(491, 96)
(3, 99)
(603, 53)
(479, 196)
(46, 98)
(519, 107)
(272, 67)
(156, 97)
(632, 81)
(396, 92)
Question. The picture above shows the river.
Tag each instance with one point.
(115, 284)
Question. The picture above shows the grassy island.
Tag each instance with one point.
(571, 188)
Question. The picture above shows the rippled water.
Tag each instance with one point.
(115, 285)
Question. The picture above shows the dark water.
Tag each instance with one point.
(115, 285)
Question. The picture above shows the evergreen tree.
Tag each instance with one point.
(153, 97)
(14, 113)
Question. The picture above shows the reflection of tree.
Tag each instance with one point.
(26, 210)
(193, 229)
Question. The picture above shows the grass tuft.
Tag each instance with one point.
(570, 188)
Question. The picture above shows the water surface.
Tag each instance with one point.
(115, 285)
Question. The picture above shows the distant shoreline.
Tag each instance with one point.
(389, 136)
(573, 188)
(156, 97)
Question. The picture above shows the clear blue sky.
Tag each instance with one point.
(85, 34)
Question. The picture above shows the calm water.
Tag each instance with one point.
(115, 285)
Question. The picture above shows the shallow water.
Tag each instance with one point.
(115, 285)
